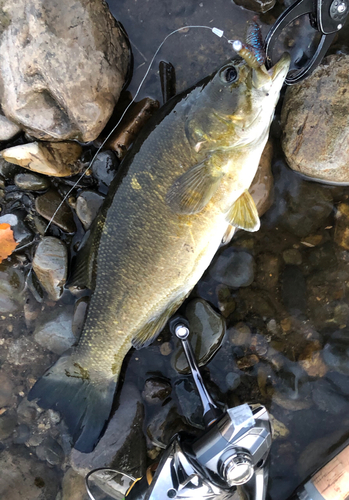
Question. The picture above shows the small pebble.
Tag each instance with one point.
(47, 205)
(156, 391)
(50, 451)
(50, 264)
(165, 348)
(233, 268)
(247, 361)
(88, 204)
(31, 182)
(240, 335)
(7, 425)
(292, 256)
(6, 389)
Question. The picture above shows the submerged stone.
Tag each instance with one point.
(233, 268)
(11, 289)
(55, 332)
(31, 182)
(105, 167)
(50, 264)
(47, 205)
(207, 329)
(50, 451)
(48, 158)
(88, 204)
(156, 391)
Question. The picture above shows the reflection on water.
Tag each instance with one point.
(287, 320)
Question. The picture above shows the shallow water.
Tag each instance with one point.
(289, 350)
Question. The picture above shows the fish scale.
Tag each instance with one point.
(180, 187)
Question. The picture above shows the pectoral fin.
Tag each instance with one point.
(191, 192)
(244, 214)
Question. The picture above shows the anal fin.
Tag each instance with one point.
(244, 214)
(151, 330)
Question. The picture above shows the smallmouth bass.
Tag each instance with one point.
(181, 187)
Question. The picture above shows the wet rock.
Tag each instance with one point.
(207, 330)
(256, 5)
(335, 356)
(88, 204)
(47, 205)
(233, 268)
(341, 231)
(21, 434)
(279, 429)
(8, 170)
(7, 425)
(6, 389)
(54, 90)
(294, 290)
(166, 348)
(11, 289)
(322, 257)
(326, 397)
(50, 264)
(105, 167)
(31, 182)
(48, 158)
(292, 256)
(164, 425)
(189, 402)
(25, 477)
(8, 129)
(247, 361)
(226, 303)
(267, 274)
(325, 290)
(21, 232)
(134, 120)
(50, 451)
(73, 486)
(27, 411)
(261, 188)
(123, 445)
(22, 351)
(312, 145)
(240, 335)
(54, 331)
(313, 364)
(156, 391)
(232, 380)
(308, 208)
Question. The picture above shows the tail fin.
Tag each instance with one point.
(84, 404)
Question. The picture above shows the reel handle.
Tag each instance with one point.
(180, 328)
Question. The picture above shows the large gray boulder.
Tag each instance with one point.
(62, 66)
(315, 122)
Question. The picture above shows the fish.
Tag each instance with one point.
(180, 189)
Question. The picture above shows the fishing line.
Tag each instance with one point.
(215, 31)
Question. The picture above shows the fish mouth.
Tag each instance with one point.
(280, 69)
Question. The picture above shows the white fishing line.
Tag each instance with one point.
(215, 31)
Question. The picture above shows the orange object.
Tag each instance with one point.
(7, 241)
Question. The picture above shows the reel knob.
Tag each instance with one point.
(237, 468)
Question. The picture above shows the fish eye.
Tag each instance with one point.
(229, 74)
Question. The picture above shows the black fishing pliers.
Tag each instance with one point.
(326, 16)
